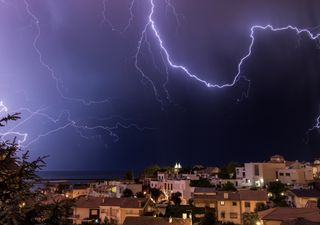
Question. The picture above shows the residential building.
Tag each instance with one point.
(301, 198)
(86, 209)
(295, 173)
(229, 206)
(171, 185)
(285, 215)
(119, 208)
(98, 208)
(147, 220)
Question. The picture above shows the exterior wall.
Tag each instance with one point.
(172, 186)
(301, 202)
(227, 212)
(81, 213)
(77, 192)
(270, 222)
(296, 176)
(258, 174)
(129, 212)
(110, 212)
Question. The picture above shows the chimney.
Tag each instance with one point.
(225, 195)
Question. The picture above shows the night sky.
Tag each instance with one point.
(72, 69)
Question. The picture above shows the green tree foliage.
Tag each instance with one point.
(129, 175)
(202, 182)
(209, 218)
(250, 218)
(151, 170)
(228, 187)
(260, 206)
(176, 198)
(127, 193)
(20, 202)
(277, 189)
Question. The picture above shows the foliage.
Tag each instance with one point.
(20, 202)
(155, 194)
(202, 182)
(190, 201)
(260, 206)
(277, 189)
(151, 170)
(250, 218)
(109, 222)
(127, 193)
(228, 171)
(176, 198)
(228, 187)
(129, 175)
(140, 194)
(209, 218)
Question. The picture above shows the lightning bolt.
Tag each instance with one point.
(151, 27)
(69, 122)
(58, 81)
(106, 20)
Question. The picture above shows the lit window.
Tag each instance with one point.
(222, 203)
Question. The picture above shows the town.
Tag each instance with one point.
(272, 192)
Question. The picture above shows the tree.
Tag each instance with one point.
(208, 219)
(17, 177)
(155, 194)
(202, 182)
(20, 203)
(260, 206)
(140, 194)
(277, 189)
(109, 221)
(228, 187)
(127, 193)
(223, 173)
(129, 175)
(250, 218)
(151, 170)
(176, 198)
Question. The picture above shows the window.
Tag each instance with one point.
(256, 170)
(288, 174)
(247, 204)
(234, 203)
(280, 174)
(222, 203)
(223, 215)
(233, 215)
(243, 174)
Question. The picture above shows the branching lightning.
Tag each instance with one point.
(58, 81)
(151, 27)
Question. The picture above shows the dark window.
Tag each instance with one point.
(233, 215)
(288, 174)
(234, 203)
(247, 204)
(243, 174)
(223, 215)
(256, 170)
(280, 174)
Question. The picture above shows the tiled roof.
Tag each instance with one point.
(148, 220)
(308, 193)
(88, 202)
(299, 221)
(125, 202)
(95, 202)
(285, 213)
(209, 193)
